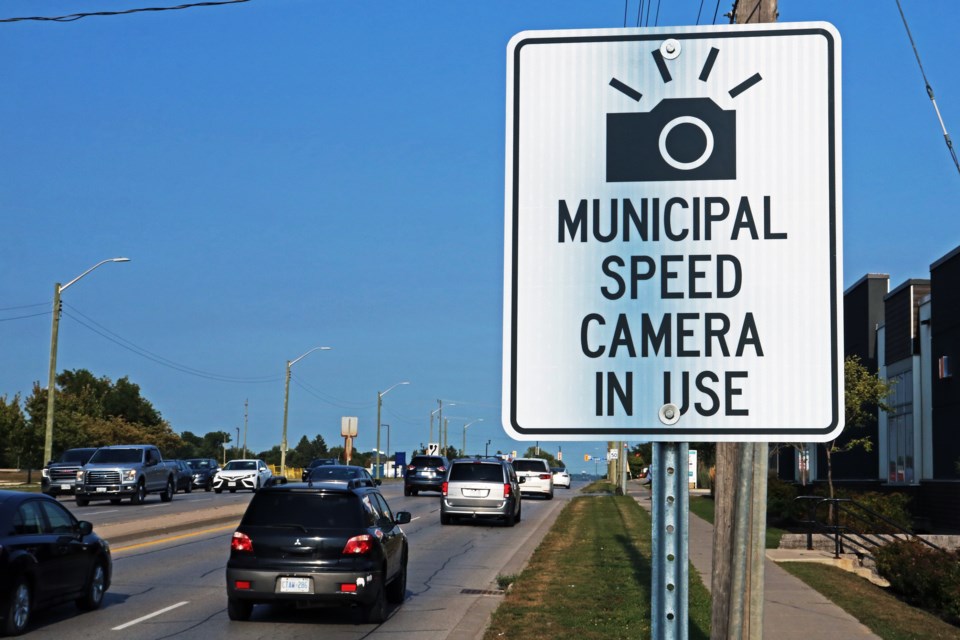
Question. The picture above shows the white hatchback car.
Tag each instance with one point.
(242, 474)
(560, 477)
(538, 479)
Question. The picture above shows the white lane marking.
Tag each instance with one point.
(414, 518)
(159, 504)
(96, 513)
(149, 615)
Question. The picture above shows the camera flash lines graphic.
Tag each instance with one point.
(704, 74)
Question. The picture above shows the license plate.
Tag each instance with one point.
(294, 585)
(64, 487)
(101, 489)
(476, 493)
(232, 483)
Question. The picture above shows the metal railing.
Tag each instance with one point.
(858, 527)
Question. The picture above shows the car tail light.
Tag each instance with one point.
(545, 476)
(443, 488)
(241, 584)
(410, 467)
(442, 469)
(348, 587)
(358, 545)
(506, 490)
(241, 542)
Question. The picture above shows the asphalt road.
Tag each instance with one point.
(173, 586)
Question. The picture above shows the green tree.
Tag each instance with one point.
(537, 452)
(15, 436)
(864, 396)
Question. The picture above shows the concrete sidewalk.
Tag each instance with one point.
(792, 610)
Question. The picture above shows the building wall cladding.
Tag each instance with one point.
(901, 318)
(945, 321)
(863, 310)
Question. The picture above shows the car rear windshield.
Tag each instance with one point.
(310, 510)
(426, 462)
(529, 465)
(476, 472)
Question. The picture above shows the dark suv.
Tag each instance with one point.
(60, 477)
(481, 488)
(325, 543)
(424, 473)
(316, 462)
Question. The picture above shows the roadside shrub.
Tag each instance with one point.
(780, 500)
(892, 506)
(923, 576)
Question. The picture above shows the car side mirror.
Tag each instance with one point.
(377, 481)
(84, 528)
(402, 517)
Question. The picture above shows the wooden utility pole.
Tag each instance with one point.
(737, 582)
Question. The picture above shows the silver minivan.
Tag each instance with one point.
(481, 488)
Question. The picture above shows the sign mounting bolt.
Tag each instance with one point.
(670, 49)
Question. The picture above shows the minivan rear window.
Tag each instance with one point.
(311, 510)
(476, 472)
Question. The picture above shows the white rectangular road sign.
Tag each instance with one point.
(673, 234)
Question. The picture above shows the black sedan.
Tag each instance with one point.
(47, 557)
(316, 462)
(204, 469)
(320, 543)
(356, 476)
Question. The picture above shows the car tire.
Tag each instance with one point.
(445, 519)
(239, 610)
(550, 496)
(397, 590)
(519, 511)
(95, 588)
(81, 502)
(218, 490)
(18, 608)
(407, 492)
(376, 611)
(167, 494)
(140, 495)
(189, 488)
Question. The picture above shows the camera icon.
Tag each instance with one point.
(679, 139)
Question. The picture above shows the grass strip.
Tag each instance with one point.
(703, 507)
(590, 578)
(882, 612)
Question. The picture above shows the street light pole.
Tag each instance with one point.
(52, 379)
(388, 442)
(379, 407)
(463, 451)
(238, 440)
(286, 402)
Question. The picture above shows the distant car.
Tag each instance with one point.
(424, 473)
(320, 544)
(249, 475)
(184, 481)
(47, 557)
(538, 479)
(203, 471)
(356, 476)
(59, 477)
(481, 488)
(560, 477)
(316, 462)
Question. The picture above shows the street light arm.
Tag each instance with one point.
(293, 362)
(102, 262)
(392, 388)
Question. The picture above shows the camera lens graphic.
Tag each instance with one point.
(686, 142)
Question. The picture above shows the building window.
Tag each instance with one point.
(900, 430)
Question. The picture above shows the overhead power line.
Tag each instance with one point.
(946, 136)
(77, 16)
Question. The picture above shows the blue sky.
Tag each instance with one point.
(287, 174)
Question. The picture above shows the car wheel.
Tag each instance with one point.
(189, 488)
(519, 511)
(96, 587)
(167, 494)
(376, 611)
(397, 590)
(17, 615)
(239, 610)
(550, 496)
(445, 519)
(81, 502)
(415, 492)
(208, 487)
(407, 492)
(218, 490)
(140, 495)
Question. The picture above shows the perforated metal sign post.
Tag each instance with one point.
(672, 234)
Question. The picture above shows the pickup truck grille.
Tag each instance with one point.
(63, 474)
(97, 477)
